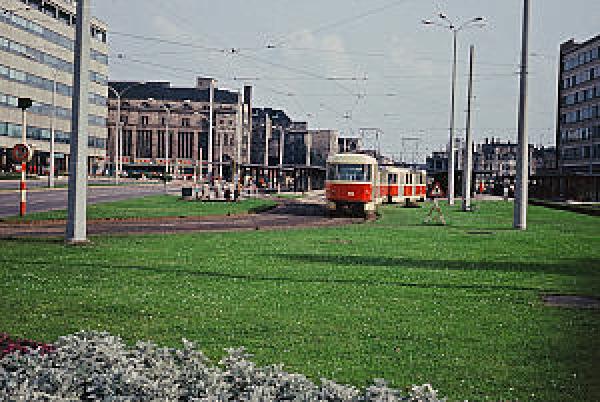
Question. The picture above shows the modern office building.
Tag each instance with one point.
(349, 144)
(36, 62)
(578, 128)
(272, 123)
(324, 143)
(147, 108)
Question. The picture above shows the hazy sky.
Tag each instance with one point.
(348, 64)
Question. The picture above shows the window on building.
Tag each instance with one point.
(144, 120)
(185, 122)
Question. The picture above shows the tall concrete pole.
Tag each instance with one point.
(210, 128)
(52, 118)
(468, 161)
(117, 138)
(521, 190)
(268, 128)
(281, 148)
(308, 162)
(238, 140)
(451, 156)
(248, 128)
(167, 142)
(76, 221)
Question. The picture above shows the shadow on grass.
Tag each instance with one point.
(33, 240)
(287, 279)
(567, 266)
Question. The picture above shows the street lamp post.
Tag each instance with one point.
(52, 119)
(445, 22)
(118, 152)
(166, 143)
(52, 123)
(522, 182)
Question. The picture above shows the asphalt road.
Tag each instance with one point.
(39, 200)
(289, 214)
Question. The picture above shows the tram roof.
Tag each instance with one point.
(352, 158)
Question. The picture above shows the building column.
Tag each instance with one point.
(154, 152)
(133, 144)
(195, 142)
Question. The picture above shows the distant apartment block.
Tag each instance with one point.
(273, 123)
(148, 107)
(349, 144)
(578, 128)
(36, 62)
(323, 144)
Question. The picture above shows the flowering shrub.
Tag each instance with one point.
(8, 345)
(98, 366)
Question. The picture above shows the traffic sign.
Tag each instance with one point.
(22, 153)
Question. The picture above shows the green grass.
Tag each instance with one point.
(457, 306)
(153, 206)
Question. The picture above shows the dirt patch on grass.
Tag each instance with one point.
(571, 301)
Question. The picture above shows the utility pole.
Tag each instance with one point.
(451, 155)
(281, 147)
(52, 118)
(268, 128)
(117, 138)
(77, 199)
(446, 23)
(210, 129)
(521, 190)
(238, 141)
(248, 131)
(308, 161)
(167, 142)
(468, 161)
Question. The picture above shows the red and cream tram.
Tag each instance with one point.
(390, 184)
(352, 183)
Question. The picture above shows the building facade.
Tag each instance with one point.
(272, 124)
(324, 143)
(147, 108)
(349, 144)
(578, 126)
(36, 62)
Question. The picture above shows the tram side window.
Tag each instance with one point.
(352, 172)
(393, 179)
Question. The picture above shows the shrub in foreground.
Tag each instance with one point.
(9, 345)
(98, 366)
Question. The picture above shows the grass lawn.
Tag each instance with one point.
(457, 306)
(152, 206)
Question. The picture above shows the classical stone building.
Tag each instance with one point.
(147, 108)
(36, 62)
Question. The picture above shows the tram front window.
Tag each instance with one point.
(350, 172)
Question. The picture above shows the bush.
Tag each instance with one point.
(9, 345)
(98, 366)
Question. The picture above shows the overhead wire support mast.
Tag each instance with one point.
(76, 222)
(522, 181)
(446, 23)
